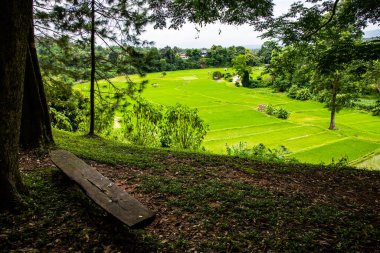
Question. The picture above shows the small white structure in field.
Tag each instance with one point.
(236, 79)
(155, 85)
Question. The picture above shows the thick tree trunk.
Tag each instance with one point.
(35, 124)
(92, 88)
(14, 27)
(333, 107)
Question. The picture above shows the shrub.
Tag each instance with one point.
(254, 83)
(281, 85)
(142, 123)
(270, 110)
(282, 113)
(227, 76)
(182, 128)
(342, 162)
(376, 109)
(216, 75)
(303, 94)
(292, 92)
(260, 152)
(59, 120)
(299, 93)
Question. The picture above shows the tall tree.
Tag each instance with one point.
(333, 29)
(15, 23)
(266, 50)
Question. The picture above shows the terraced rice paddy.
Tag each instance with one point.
(232, 115)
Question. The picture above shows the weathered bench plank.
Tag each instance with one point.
(104, 192)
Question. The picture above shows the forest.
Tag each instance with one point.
(232, 149)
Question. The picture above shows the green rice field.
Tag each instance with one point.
(232, 115)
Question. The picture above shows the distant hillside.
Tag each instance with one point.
(253, 46)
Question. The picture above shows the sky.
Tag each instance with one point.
(188, 37)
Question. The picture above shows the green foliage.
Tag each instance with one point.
(341, 163)
(376, 109)
(176, 126)
(270, 110)
(104, 118)
(182, 128)
(260, 152)
(243, 65)
(299, 93)
(266, 51)
(59, 120)
(280, 113)
(67, 107)
(281, 85)
(216, 75)
(142, 123)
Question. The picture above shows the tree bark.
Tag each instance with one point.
(333, 107)
(14, 27)
(92, 88)
(35, 122)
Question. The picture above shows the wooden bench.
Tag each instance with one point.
(103, 191)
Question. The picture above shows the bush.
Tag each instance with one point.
(292, 92)
(182, 128)
(270, 110)
(303, 94)
(260, 152)
(216, 75)
(376, 109)
(227, 76)
(142, 123)
(59, 120)
(299, 93)
(254, 83)
(282, 113)
(281, 85)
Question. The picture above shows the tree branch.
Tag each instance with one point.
(324, 24)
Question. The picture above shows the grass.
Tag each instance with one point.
(203, 202)
(232, 115)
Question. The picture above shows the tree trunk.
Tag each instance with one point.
(333, 107)
(14, 27)
(35, 122)
(92, 88)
